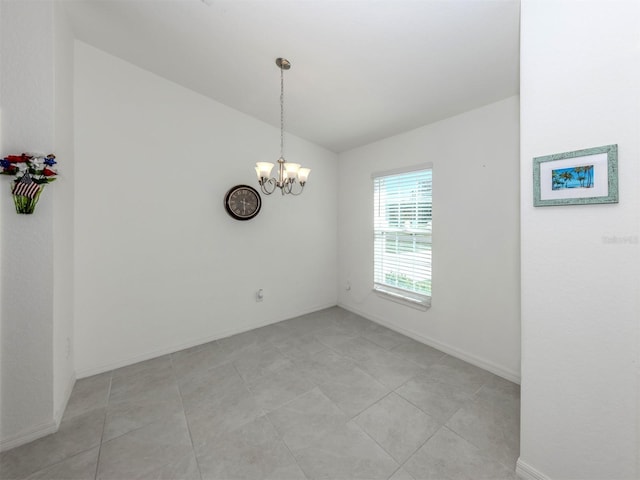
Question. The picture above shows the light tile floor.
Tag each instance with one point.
(329, 395)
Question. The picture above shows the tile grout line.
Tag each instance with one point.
(104, 424)
(451, 429)
(348, 419)
(441, 424)
(353, 420)
(311, 371)
(388, 350)
(186, 420)
(140, 427)
(400, 464)
(470, 400)
(266, 415)
(156, 421)
(80, 452)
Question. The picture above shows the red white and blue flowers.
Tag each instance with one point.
(31, 172)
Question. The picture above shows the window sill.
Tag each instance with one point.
(423, 305)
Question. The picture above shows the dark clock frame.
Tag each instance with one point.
(227, 203)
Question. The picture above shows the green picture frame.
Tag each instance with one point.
(581, 177)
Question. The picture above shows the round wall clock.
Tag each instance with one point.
(242, 202)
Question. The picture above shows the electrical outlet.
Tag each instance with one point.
(259, 295)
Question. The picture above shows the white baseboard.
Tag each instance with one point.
(454, 352)
(67, 395)
(192, 343)
(527, 472)
(28, 435)
(42, 430)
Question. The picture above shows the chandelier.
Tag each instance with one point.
(288, 173)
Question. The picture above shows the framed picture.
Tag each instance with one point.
(576, 178)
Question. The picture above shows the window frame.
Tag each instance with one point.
(399, 295)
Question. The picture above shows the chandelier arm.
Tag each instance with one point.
(301, 189)
(265, 189)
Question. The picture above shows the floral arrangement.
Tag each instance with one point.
(31, 172)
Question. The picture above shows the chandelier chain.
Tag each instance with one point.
(281, 112)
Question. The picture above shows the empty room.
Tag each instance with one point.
(320, 239)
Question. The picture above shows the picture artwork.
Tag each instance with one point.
(579, 177)
(573, 177)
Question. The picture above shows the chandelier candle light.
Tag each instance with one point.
(287, 172)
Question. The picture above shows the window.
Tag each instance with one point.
(402, 202)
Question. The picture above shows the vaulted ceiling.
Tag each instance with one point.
(362, 70)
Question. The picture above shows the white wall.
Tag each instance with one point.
(27, 99)
(159, 263)
(580, 88)
(475, 305)
(63, 228)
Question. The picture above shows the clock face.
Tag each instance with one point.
(242, 202)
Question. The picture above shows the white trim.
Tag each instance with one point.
(192, 343)
(527, 472)
(454, 352)
(398, 171)
(389, 294)
(28, 435)
(42, 430)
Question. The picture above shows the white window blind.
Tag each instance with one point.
(402, 234)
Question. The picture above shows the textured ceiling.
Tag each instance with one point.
(362, 70)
